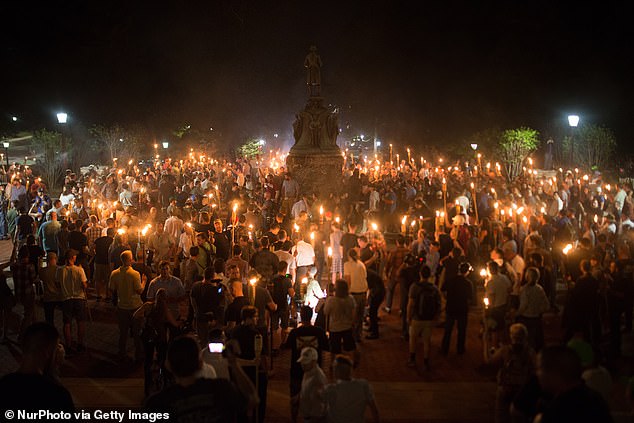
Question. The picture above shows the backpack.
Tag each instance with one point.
(463, 237)
(516, 370)
(149, 333)
(428, 302)
(280, 292)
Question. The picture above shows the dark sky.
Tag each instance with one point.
(422, 73)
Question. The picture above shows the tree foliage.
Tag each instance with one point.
(50, 144)
(117, 142)
(488, 141)
(514, 147)
(593, 147)
(250, 149)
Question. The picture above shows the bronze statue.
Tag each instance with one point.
(313, 75)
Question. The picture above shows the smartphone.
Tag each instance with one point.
(216, 347)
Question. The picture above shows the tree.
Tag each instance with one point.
(49, 143)
(593, 146)
(487, 140)
(250, 149)
(514, 147)
(117, 142)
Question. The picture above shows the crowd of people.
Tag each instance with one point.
(234, 259)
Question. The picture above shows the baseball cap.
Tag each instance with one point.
(308, 354)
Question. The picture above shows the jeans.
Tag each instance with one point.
(391, 286)
(161, 353)
(3, 224)
(126, 322)
(375, 303)
(404, 301)
(49, 310)
(452, 318)
(359, 310)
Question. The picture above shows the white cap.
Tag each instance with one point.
(308, 354)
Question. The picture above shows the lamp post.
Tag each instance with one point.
(474, 147)
(62, 117)
(5, 144)
(573, 122)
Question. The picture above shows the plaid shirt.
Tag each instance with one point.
(92, 233)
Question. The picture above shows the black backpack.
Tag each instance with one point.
(280, 292)
(428, 302)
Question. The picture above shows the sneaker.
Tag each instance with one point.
(411, 363)
(388, 310)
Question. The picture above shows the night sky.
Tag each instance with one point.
(419, 74)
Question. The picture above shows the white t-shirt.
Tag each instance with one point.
(498, 287)
(358, 276)
(311, 403)
(305, 254)
(66, 199)
(287, 257)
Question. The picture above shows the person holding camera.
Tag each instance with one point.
(207, 299)
(458, 293)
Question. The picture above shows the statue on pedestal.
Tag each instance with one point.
(315, 160)
(313, 75)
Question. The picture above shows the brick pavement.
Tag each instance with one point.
(457, 389)
(403, 394)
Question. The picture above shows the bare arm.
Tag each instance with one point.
(374, 410)
(410, 310)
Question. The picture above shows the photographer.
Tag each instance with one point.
(407, 275)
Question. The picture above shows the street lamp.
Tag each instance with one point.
(474, 147)
(14, 118)
(62, 117)
(6, 152)
(573, 122)
(166, 144)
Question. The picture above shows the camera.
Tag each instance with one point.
(216, 347)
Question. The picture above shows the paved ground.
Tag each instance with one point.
(457, 389)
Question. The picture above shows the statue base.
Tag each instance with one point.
(316, 172)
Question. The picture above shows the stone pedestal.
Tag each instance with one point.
(315, 160)
(318, 172)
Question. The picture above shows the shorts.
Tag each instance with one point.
(422, 329)
(102, 273)
(345, 337)
(337, 265)
(74, 309)
(279, 318)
